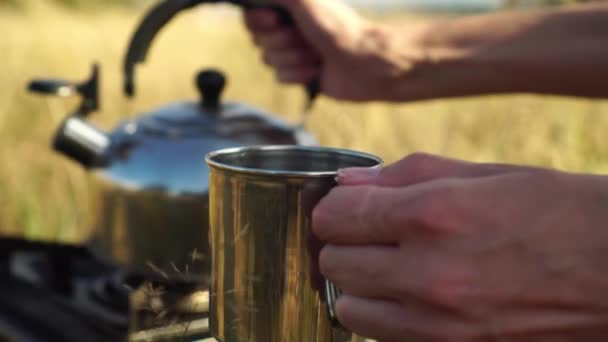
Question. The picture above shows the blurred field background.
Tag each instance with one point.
(45, 196)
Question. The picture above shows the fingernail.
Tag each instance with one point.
(357, 175)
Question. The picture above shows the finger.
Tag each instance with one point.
(377, 319)
(419, 168)
(283, 38)
(390, 321)
(262, 20)
(371, 214)
(420, 274)
(300, 74)
(321, 22)
(361, 215)
(363, 271)
(289, 58)
(317, 281)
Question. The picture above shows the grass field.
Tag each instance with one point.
(44, 196)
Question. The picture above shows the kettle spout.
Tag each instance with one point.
(82, 142)
(77, 138)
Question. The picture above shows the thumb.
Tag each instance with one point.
(323, 23)
(420, 168)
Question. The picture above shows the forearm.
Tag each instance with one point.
(561, 51)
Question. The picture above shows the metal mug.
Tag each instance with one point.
(265, 284)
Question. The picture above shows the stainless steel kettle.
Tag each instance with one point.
(151, 182)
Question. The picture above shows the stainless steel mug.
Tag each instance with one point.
(265, 284)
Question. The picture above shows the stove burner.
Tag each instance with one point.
(53, 292)
(38, 295)
(113, 292)
(107, 296)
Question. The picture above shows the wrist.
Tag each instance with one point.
(377, 58)
(457, 57)
(422, 63)
(455, 63)
(394, 53)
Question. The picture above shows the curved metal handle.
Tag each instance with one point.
(313, 88)
(162, 13)
(332, 293)
(140, 43)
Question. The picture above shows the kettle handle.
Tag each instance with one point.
(156, 18)
(313, 88)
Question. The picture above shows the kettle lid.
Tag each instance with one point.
(161, 151)
(210, 115)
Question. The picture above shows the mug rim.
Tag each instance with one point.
(209, 159)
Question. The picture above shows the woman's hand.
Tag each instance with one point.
(558, 51)
(354, 58)
(433, 249)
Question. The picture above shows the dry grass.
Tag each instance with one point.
(44, 196)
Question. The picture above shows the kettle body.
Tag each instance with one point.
(149, 188)
(151, 197)
(150, 183)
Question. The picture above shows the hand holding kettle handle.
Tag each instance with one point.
(161, 14)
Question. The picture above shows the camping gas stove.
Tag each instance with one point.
(52, 292)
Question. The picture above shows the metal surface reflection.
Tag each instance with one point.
(150, 201)
(265, 282)
(150, 186)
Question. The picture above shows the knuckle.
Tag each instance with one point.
(436, 212)
(264, 40)
(322, 217)
(345, 311)
(278, 39)
(449, 285)
(285, 76)
(547, 180)
(266, 58)
(290, 74)
(326, 265)
(300, 60)
(255, 39)
(271, 58)
(419, 163)
(428, 213)
(295, 57)
(368, 213)
(307, 73)
(419, 157)
(288, 58)
(284, 38)
(338, 92)
(445, 294)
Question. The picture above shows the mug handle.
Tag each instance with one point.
(332, 293)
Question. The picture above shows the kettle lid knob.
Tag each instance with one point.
(210, 84)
